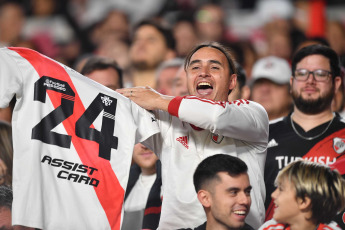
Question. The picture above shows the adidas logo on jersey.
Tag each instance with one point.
(272, 143)
(184, 141)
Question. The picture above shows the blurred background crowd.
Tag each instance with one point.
(70, 30)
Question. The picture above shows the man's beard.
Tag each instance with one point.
(313, 106)
(144, 65)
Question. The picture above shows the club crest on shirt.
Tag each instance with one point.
(217, 138)
(339, 145)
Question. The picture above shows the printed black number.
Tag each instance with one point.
(42, 131)
(107, 104)
(105, 138)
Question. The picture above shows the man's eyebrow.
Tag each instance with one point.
(211, 61)
(194, 61)
(215, 62)
(238, 189)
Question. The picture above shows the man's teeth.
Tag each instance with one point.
(240, 212)
(204, 84)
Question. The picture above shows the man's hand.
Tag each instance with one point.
(147, 97)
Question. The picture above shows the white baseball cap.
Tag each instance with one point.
(272, 68)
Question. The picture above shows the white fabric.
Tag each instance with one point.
(42, 199)
(274, 225)
(245, 130)
(137, 198)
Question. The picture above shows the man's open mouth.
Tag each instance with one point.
(204, 88)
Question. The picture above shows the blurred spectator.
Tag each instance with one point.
(139, 10)
(312, 41)
(185, 36)
(279, 45)
(6, 113)
(165, 75)
(241, 90)
(143, 194)
(179, 87)
(152, 44)
(338, 103)
(6, 153)
(87, 12)
(209, 23)
(104, 71)
(271, 77)
(11, 23)
(114, 25)
(6, 197)
(48, 30)
(336, 37)
(117, 50)
(245, 55)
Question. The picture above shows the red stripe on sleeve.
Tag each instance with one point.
(174, 105)
(152, 210)
(109, 191)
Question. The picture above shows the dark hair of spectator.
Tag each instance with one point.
(166, 32)
(208, 169)
(241, 75)
(101, 63)
(318, 50)
(6, 196)
(6, 150)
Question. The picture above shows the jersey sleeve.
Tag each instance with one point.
(241, 119)
(145, 121)
(10, 78)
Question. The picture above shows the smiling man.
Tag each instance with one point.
(222, 184)
(202, 125)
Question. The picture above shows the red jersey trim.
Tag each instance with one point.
(152, 210)
(174, 105)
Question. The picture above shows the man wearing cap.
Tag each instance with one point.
(270, 87)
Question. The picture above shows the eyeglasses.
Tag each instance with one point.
(319, 74)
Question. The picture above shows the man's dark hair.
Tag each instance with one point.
(215, 45)
(100, 63)
(208, 169)
(241, 75)
(166, 32)
(6, 196)
(318, 50)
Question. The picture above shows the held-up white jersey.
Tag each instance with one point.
(239, 128)
(73, 142)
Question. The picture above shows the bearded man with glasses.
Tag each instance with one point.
(312, 131)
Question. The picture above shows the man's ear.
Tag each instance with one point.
(204, 198)
(233, 81)
(337, 83)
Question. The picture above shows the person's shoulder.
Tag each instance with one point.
(201, 227)
(247, 227)
(271, 225)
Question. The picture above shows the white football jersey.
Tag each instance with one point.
(238, 128)
(73, 142)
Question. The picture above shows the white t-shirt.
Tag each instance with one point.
(136, 202)
(73, 142)
(239, 128)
